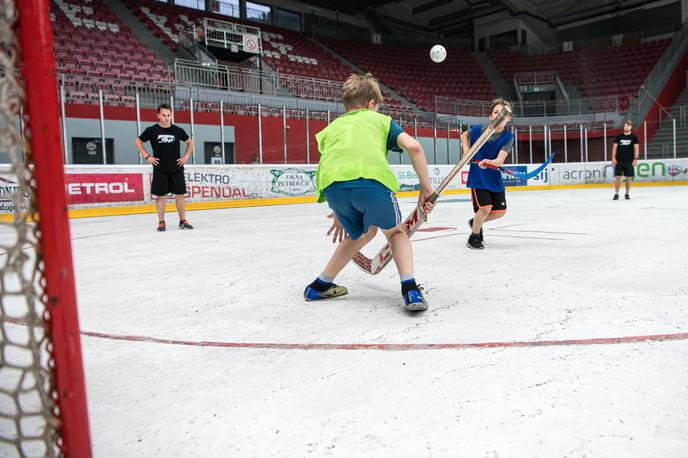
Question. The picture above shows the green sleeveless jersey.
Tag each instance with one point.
(354, 146)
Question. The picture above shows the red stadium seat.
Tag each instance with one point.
(100, 54)
(415, 76)
(589, 70)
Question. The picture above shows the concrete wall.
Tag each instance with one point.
(502, 22)
(124, 133)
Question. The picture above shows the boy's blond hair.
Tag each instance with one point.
(358, 90)
(500, 101)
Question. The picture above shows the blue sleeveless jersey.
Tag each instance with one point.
(489, 179)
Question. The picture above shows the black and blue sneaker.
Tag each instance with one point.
(413, 298)
(320, 290)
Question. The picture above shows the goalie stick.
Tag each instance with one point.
(412, 222)
(522, 176)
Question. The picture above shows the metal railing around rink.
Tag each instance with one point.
(578, 107)
(293, 147)
(439, 135)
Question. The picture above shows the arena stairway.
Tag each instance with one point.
(139, 29)
(661, 145)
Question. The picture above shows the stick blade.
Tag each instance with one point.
(375, 265)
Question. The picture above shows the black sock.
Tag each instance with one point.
(320, 285)
(407, 286)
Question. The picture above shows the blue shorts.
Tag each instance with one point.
(362, 203)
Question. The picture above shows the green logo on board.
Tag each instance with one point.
(293, 182)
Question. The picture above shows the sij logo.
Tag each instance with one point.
(293, 182)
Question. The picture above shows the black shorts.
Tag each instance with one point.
(168, 182)
(624, 168)
(484, 198)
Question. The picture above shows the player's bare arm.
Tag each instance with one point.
(614, 154)
(501, 157)
(142, 151)
(465, 143)
(420, 165)
(189, 147)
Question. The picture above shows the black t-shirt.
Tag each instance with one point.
(624, 150)
(165, 143)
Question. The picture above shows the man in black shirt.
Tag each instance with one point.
(624, 158)
(168, 167)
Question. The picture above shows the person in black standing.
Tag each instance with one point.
(168, 167)
(624, 158)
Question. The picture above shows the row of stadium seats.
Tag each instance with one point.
(92, 42)
(284, 50)
(599, 72)
(415, 76)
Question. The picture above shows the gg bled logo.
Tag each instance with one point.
(674, 170)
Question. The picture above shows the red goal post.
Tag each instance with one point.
(43, 408)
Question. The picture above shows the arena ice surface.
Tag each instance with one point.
(567, 264)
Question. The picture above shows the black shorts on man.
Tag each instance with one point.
(165, 183)
(168, 175)
(484, 198)
(625, 169)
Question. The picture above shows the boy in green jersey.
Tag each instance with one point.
(359, 186)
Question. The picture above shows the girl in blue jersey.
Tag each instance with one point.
(486, 185)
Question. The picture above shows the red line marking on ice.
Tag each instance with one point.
(436, 228)
(392, 346)
(381, 346)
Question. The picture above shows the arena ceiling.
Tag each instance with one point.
(443, 14)
(560, 12)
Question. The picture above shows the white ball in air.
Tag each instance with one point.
(438, 53)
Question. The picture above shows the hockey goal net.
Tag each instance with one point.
(42, 396)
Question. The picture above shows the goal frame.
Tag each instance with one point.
(45, 148)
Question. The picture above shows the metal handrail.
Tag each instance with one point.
(187, 40)
(150, 94)
(535, 77)
(463, 107)
(561, 87)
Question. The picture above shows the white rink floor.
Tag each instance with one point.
(563, 267)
